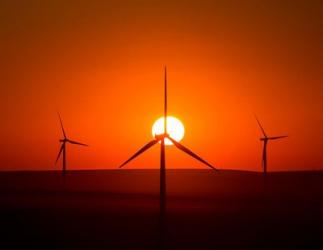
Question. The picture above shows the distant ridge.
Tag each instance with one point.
(155, 170)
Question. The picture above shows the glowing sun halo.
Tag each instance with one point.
(175, 128)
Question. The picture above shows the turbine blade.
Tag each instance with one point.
(77, 143)
(60, 152)
(143, 149)
(277, 137)
(60, 119)
(262, 129)
(165, 102)
(187, 151)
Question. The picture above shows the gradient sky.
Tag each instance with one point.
(100, 64)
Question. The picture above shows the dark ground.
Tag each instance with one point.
(119, 210)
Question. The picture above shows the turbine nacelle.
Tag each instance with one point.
(161, 136)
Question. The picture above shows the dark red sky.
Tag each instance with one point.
(100, 63)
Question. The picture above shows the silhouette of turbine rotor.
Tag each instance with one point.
(64, 141)
(265, 139)
(161, 138)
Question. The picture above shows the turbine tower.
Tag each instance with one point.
(161, 138)
(63, 147)
(265, 140)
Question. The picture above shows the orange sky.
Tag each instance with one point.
(100, 63)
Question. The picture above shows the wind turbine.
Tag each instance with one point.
(161, 138)
(63, 147)
(265, 139)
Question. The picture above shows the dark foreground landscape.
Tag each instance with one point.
(120, 210)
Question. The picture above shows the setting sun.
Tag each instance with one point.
(175, 128)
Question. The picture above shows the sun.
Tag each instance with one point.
(175, 128)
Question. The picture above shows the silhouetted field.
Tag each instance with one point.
(119, 209)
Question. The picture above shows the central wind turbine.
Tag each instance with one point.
(161, 138)
(64, 141)
(265, 139)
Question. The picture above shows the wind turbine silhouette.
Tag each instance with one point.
(63, 147)
(161, 138)
(265, 139)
